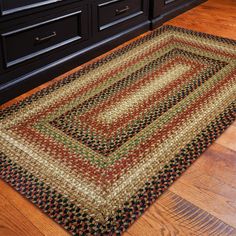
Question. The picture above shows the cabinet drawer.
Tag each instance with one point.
(11, 6)
(116, 11)
(33, 40)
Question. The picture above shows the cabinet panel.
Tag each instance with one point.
(40, 38)
(114, 12)
(11, 6)
(114, 16)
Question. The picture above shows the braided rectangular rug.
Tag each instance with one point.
(96, 149)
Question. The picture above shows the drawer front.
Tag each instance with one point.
(114, 12)
(11, 6)
(31, 41)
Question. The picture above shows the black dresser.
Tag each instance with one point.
(41, 39)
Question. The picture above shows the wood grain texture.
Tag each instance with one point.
(13, 222)
(228, 138)
(213, 17)
(201, 202)
(174, 215)
(210, 183)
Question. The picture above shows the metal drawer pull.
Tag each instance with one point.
(38, 39)
(120, 11)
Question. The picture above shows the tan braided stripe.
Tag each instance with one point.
(88, 149)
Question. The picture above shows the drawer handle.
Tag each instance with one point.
(38, 39)
(120, 11)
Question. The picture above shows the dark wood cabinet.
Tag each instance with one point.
(32, 45)
(41, 39)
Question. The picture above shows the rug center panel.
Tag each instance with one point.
(106, 121)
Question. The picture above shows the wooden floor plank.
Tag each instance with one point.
(215, 17)
(234, 124)
(210, 183)
(173, 215)
(13, 222)
(228, 138)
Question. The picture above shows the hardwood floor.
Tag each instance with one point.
(201, 202)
